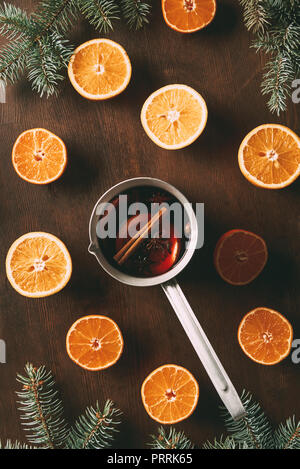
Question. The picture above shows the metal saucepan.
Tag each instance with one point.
(171, 288)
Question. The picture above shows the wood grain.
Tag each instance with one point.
(106, 144)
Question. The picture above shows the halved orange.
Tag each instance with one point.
(240, 256)
(170, 394)
(188, 16)
(269, 156)
(99, 69)
(265, 336)
(94, 342)
(39, 156)
(174, 116)
(38, 264)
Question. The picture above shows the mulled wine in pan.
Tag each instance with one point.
(141, 231)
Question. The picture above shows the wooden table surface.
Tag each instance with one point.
(107, 144)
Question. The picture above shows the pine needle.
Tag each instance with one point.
(13, 60)
(13, 21)
(287, 436)
(228, 443)
(55, 15)
(100, 13)
(15, 445)
(276, 26)
(136, 12)
(255, 15)
(170, 440)
(42, 416)
(96, 428)
(250, 432)
(41, 409)
(254, 429)
(255, 432)
(38, 43)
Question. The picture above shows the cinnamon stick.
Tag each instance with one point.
(129, 248)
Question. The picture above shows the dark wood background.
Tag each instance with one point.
(107, 144)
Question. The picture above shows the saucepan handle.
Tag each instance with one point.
(204, 350)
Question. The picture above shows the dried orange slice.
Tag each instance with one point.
(240, 256)
(265, 336)
(94, 342)
(174, 116)
(99, 69)
(269, 156)
(39, 156)
(170, 394)
(38, 264)
(188, 16)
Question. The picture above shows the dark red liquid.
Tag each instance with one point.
(159, 251)
(156, 255)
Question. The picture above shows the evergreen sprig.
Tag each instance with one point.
(38, 45)
(276, 26)
(253, 431)
(135, 12)
(255, 15)
(287, 436)
(41, 409)
(15, 445)
(13, 21)
(170, 440)
(95, 429)
(42, 416)
(100, 13)
(225, 443)
(54, 15)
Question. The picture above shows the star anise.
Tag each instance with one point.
(160, 244)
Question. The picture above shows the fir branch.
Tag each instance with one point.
(287, 436)
(61, 48)
(15, 445)
(54, 14)
(34, 49)
(227, 443)
(255, 14)
(42, 411)
(95, 429)
(254, 429)
(38, 41)
(276, 25)
(136, 12)
(278, 77)
(13, 22)
(13, 60)
(44, 63)
(100, 13)
(171, 440)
